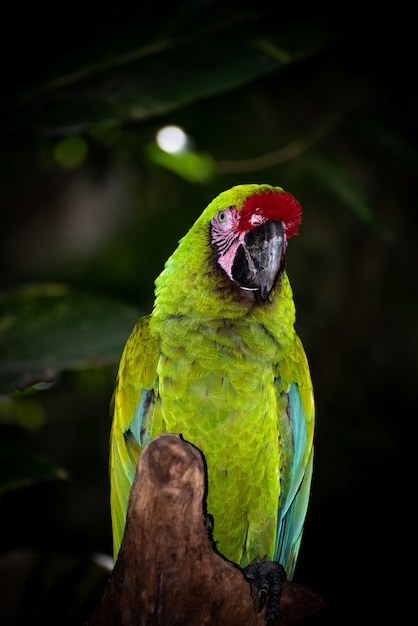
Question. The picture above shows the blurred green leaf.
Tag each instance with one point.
(24, 410)
(154, 79)
(20, 467)
(192, 166)
(71, 151)
(46, 328)
(337, 180)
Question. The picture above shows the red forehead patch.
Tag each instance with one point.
(271, 205)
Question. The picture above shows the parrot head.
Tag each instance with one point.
(249, 238)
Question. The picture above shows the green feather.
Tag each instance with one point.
(229, 373)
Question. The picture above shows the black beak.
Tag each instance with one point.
(258, 260)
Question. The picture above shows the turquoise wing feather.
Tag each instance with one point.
(296, 422)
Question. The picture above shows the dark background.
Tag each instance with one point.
(324, 106)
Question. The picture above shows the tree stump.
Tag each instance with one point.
(168, 572)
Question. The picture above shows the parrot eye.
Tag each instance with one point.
(224, 219)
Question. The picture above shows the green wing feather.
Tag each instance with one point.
(131, 403)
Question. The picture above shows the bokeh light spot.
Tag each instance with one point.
(172, 139)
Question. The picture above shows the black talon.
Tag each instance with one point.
(268, 577)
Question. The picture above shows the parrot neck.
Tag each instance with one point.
(196, 300)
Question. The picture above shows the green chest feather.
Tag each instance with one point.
(218, 390)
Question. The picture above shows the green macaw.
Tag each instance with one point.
(218, 361)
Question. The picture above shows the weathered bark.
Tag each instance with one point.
(168, 572)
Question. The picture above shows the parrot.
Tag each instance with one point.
(218, 361)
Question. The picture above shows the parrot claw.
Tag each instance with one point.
(268, 576)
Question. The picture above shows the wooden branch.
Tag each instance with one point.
(168, 572)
